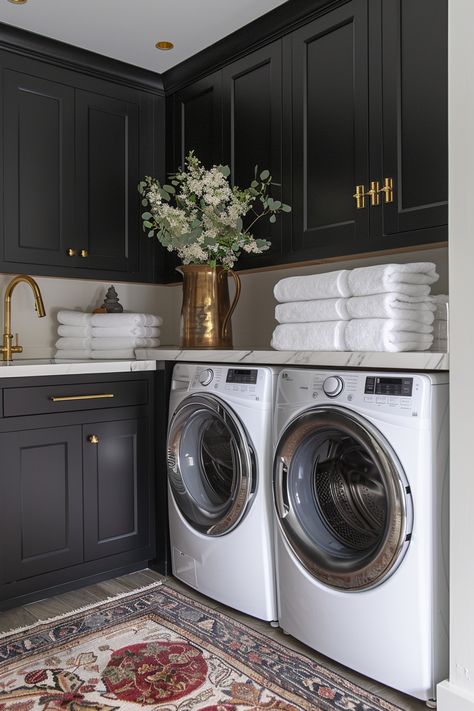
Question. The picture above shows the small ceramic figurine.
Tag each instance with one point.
(111, 303)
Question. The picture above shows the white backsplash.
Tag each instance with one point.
(252, 322)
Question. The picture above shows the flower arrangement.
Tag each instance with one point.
(200, 215)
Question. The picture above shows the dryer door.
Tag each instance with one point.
(342, 499)
(211, 465)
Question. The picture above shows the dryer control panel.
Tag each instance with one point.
(229, 382)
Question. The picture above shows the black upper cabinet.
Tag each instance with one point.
(75, 146)
(252, 90)
(198, 122)
(38, 169)
(330, 132)
(107, 174)
(413, 102)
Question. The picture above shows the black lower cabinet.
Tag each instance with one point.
(77, 487)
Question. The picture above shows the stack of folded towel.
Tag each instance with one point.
(380, 308)
(440, 324)
(104, 336)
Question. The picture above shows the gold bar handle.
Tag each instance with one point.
(373, 193)
(359, 196)
(387, 189)
(67, 398)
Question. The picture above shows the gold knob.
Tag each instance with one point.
(71, 252)
(93, 439)
(84, 253)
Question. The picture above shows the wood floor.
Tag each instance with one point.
(53, 606)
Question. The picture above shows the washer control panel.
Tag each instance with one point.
(229, 382)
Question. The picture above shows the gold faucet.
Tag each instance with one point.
(8, 349)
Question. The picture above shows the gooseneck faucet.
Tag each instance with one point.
(8, 349)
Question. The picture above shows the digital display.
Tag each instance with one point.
(389, 386)
(236, 375)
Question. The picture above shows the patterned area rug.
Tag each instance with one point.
(159, 649)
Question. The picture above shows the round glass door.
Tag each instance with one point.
(341, 498)
(211, 467)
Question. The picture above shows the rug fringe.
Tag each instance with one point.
(78, 610)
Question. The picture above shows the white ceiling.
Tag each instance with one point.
(128, 29)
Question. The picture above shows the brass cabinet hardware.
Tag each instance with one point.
(66, 398)
(93, 439)
(387, 189)
(359, 196)
(373, 193)
(71, 252)
(84, 253)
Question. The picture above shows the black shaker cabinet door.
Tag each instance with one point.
(41, 499)
(330, 132)
(107, 175)
(38, 145)
(116, 480)
(252, 110)
(415, 116)
(198, 121)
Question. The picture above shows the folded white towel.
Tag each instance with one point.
(74, 331)
(353, 335)
(105, 344)
(74, 353)
(125, 319)
(441, 302)
(74, 343)
(74, 318)
(392, 305)
(126, 331)
(413, 279)
(125, 353)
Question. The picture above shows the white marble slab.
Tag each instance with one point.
(424, 360)
(52, 366)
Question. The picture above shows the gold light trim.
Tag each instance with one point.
(18, 2)
(164, 45)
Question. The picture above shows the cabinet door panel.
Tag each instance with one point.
(415, 112)
(198, 121)
(39, 169)
(115, 488)
(252, 89)
(330, 125)
(41, 495)
(107, 172)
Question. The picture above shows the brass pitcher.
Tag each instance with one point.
(206, 310)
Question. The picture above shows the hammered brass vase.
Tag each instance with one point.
(206, 310)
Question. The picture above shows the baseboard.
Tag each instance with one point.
(454, 698)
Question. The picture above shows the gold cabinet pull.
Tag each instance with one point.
(84, 253)
(387, 189)
(93, 439)
(71, 252)
(66, 398)
(373, 193)
(359, 196)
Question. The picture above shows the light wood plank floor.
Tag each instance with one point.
(60, 604)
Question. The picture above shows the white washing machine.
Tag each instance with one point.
(220, 462)
(361, 497)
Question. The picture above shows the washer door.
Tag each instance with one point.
(211, 465)
(342, 500)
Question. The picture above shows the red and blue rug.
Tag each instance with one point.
(159, 649)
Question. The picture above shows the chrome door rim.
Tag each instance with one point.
(365, 571)
(245, 471)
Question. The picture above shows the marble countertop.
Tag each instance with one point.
(51, 366)
(423, 360)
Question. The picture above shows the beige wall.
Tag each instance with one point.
(252, 323)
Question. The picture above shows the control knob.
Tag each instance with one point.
(206, 376)
(333, 385)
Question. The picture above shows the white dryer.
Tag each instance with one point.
(220, 461)
(361, 496)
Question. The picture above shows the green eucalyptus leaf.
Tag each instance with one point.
(169, 189)
(151, 233)
(277, 204)
(224, 169)
(146, 223)
(164, 195)
(144, 202)
(254, 184)
(273, 218)
(146, 215)
(286, 208)
(264, 175)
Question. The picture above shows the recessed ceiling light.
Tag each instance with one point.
(159, 45)
(18, 2)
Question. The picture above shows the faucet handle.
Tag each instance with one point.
(16, 348)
